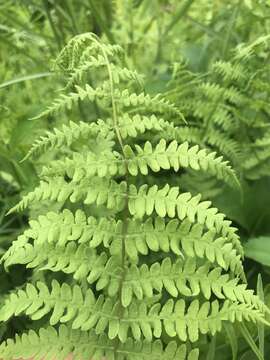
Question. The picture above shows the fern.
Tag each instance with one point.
(88, 345)
(228, 107)
(139, 263)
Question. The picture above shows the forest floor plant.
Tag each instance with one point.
(123, 269)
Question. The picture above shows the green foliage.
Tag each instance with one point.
(65, 341)
(257, 249)
(231, 116)
(153, 109)
(109, 287)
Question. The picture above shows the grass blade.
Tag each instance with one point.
(25, 78)
(181, 12)
(230, 332)
(260, 293)
(212, 349)
(249, 339)
(101, 23)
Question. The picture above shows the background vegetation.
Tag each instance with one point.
(211, 58)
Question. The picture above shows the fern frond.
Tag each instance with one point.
(67, 101)
(145, 201)
(118, 73)
(129, 126)
(86, 166)
(163, 156)
(190, 134)
(124, 74)
(215, 92)
(152, 261)
(68, 304)
(83, 263)
(50, 343)
(58, 189)
(91, 62)
(37, 301)
(176, 156)
(156, 103)
(225, 145)
(244, 51)
(67, 135)
(124, 98)
(168, 201)
(174, 236)
(165, 201)
(79, 261)
(215, 138)
(185, 278)
(230, 71)
(256, 164)
(80, 48)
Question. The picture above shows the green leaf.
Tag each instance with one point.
(230, 332)
(258, 249)
(249, 339)
(126, 295)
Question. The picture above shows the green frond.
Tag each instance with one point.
(168, 201)
(83, 311)
(144, 201)
(60, 227)
(156, 103)
(67, 101)
(181, 277)
(124, 74)
(183, 83)
(80, 48)
(244, 51)
(124, 98)
(215, 138)
(118, 73)
(56, 190)
(92, 62)
(79, 260)
(82, 166)
(163, 156)
(129, 126)
(141, 237)
(190, 134)
(173, 155)
(257, 162)
(215, 92)
(50, 343)
(134, 261)
(62, 301)
(225, 145)
(224, 119)
(67, 135)
(186, 278)
(230, 71)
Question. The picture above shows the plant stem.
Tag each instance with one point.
(181, 12)
(72, 18)
(230, 29)
(101, 23)
(125, 212)
(56, 36)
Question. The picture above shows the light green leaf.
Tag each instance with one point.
(258, 249)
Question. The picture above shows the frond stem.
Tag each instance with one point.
(125, 213)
